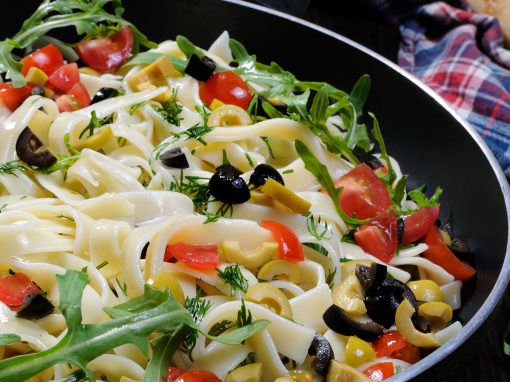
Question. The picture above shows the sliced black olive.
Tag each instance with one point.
(421, 323)
(262, 173)
(400, 229)
(174, 158)
(143, 254)
(367, 157)
(382, 302)
(341, 323)
(458, 245)
(200, 68)
(372, 276)
(227, 186)
(323, 353)
(27, 147)
(38, 306)
(104, 93)
(37, 90)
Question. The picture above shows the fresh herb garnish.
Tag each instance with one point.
(89, 18)
(136, 106)
(316, 228)
(170, 110)
(9, 339)
(71, 219)
(233, 276)
(317, 247)
(197, 188)
(10, 168)
(243, 316)
(268, 145)
(95, 123)
(330, 278)
(197, 306)
(419, 197)
(390, 175)
(221, 327)
(3, 207)
(250, 161)
(289, 171)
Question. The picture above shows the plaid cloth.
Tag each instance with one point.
(459, 54)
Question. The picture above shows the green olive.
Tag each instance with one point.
(271, 297)
(247, 373)
(281, 269)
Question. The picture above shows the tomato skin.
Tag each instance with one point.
(12, 97)
(80, 94)
(48, 59)
(378, 237)
(440, 254)
(175, 374)
(392, 344)
(419, 223)
(14, 289)
(289, 245)
(364, 194)
(65, 77)
(380, 371)
(202, 256)
(228, 87)
(106, 53)
(409, 354)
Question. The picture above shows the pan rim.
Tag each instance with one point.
(496, 294)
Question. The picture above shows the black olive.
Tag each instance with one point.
(227, 186)
(104, 93)
(27, 147)
(371, 277)
(342, 323)
(382, 302)
(458, 245)
(200, 68)
(421, 323)
(367, 157)
(143, 254)
(323, 353)
(262, 173)
(37, 90)
(174, 158)
(37, 306)
(400, 229)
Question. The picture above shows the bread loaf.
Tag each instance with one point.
(498, 8)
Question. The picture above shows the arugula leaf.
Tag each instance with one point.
(163, 349)
(397, 193)
(320, 171)
(9, 339)
(390, 176)
(187, 47)
(359, 93)
(95, 123)
(89, 18)
(221, 327)
(147, 58)
(419, 197)
(357, 135)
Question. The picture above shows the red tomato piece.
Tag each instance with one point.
(205, 256)
(228, 87)
(410, 354)
(48, 59)
(80, 95)
(419, 223)
(389, 342)
(65, 103)
(364, 194)
(440, 254)
(289, 245)
(175, 374)
(14, 289)
(65, 77)
(12, 97)
(379, 236)
(380, 371)
(107, 53)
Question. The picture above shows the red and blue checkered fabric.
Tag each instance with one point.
(459, 54)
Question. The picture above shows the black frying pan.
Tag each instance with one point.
(431, 143)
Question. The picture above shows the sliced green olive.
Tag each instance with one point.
(271, 297)
(165, 281)
(426, 290)
(348, 295)
(281, 269)
(296, 376)
(247, 373)
(405, 326)
(438, 313)
(252, 259)
(229, 115)
(349, 268)
(340, 372)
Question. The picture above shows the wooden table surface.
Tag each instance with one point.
(355, 20)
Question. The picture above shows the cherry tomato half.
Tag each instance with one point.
(48, 59)
(440, 254)
(107, 53)
(76, 98)
(392, 344)
(178, 375)
(379, 236)
(289, 245)
(227, 87)
(380, 371)
(419, 223)
(364, 194)
(204, 256)
(65, 77)
(12, 97)
(14, 289)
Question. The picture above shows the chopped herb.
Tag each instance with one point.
(95, 123)
(243, 316)
(71, 219)
(316, 228)
(269, 148)
(3, 207)
(225, 209)
(250, 161)
(102, 265)
(10, 168)
(136, 106)
(233, 276)
(289, 171)
(419, 197)
(211, 217)
(197, 188)
(348, 237)
(196, 132)
(330, 278)
(170, 110)
(121, 141)
(122, 287)
(250, 358)
(390, 176)
(197, 307)
(225, 157)
(317, 247)
(221, 327)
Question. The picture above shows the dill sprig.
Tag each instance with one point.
(95, 123)
(221, 327)
(243, 316)
(196, 187)
(170, 110)
(197, 307)
(233, 276)
(316, 228)
(11, 167)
